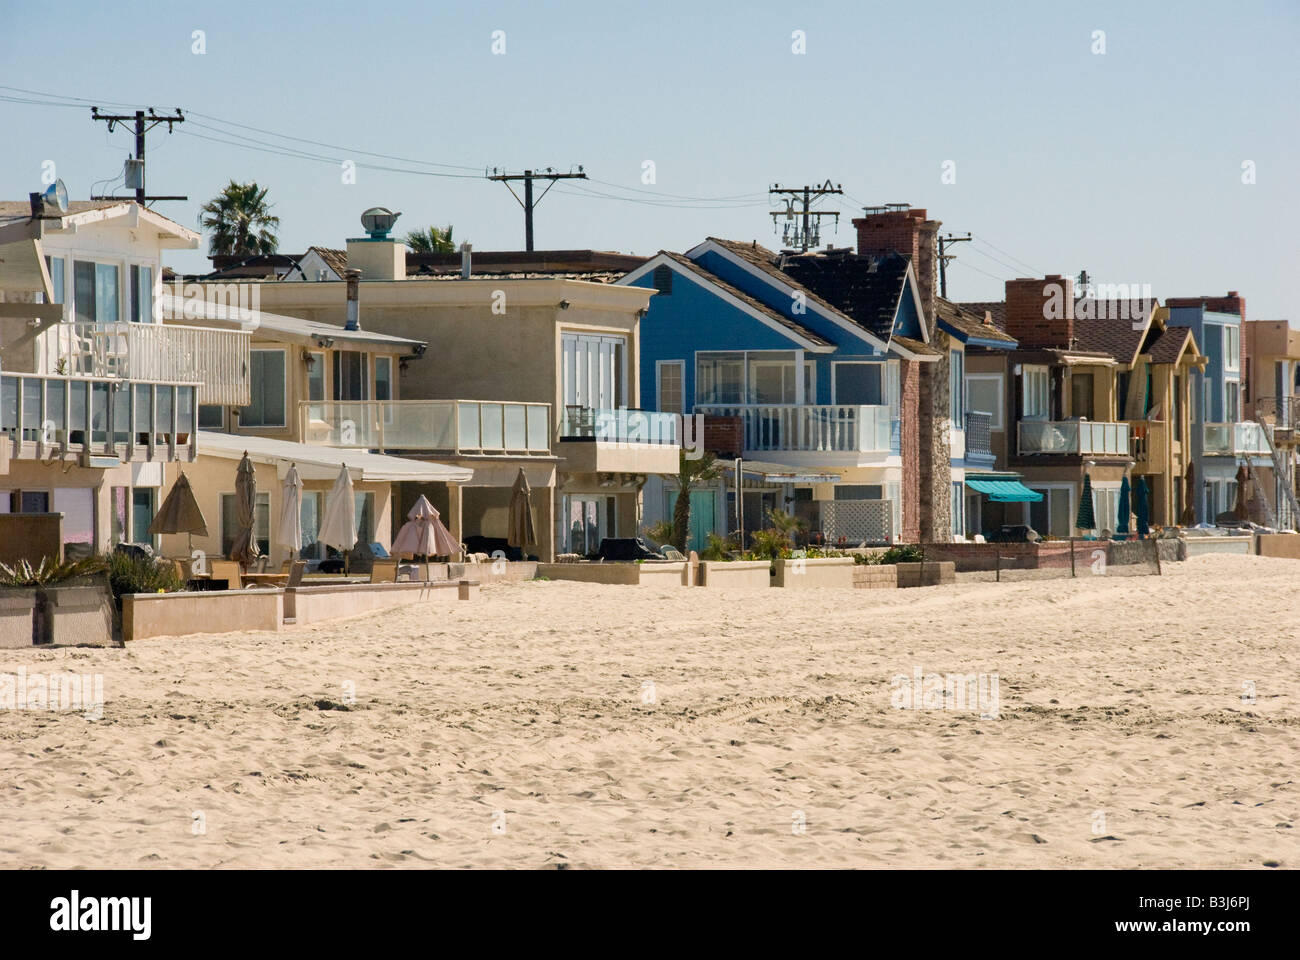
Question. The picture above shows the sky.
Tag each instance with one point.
(1111, 137)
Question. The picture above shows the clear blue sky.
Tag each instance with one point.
(1128, 164)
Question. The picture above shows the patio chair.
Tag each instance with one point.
(227, 570)
(383, 571)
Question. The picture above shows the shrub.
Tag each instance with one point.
(49, 570)
(660, 533)
(719, 548)
(903, 553)
(135, 574)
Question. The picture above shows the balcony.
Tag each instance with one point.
(618, 441)
(460, 427)
(1072, 438)
(1233, 439)
(850, 429)
(54, 417)
(215, 360)
(979, 450)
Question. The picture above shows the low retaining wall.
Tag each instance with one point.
(146, 615)
(875, 576)
(492, 572)
(735, 574)
(1278, 545)
(1014, 556)
(330, 602)
(928, 574)
(1199, 546)
(814, 572)
(672, 573)
(16, 609)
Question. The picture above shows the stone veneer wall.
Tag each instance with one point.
(935, 463)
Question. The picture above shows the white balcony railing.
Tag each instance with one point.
(216, 360)
(471, 427)
(848, 428)
(1073, 437)
(1231, 439)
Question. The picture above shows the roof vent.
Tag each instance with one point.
(378, 222)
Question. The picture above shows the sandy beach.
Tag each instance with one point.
(555, 724)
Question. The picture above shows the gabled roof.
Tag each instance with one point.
(1169, 344)
(739, 294)
(969, 327)
(336, 260)
(868, 289)
(1108, 326)
(765, 260)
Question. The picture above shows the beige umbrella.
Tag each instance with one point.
(520, 532)
(289, 530)
(180, 512)
(244, 549)
(338, 528)
(423, 534)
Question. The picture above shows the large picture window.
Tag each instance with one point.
(857, 383)
(594, 371)
(752, 377)
(267, 389)
(1035, 396)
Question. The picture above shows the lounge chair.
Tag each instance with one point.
(383, 571)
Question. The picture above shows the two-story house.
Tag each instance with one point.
(97, 397)
(539, 373)
(1272, 399)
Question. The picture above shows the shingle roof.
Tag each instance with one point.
(969, 322)
(996, 308)
(917, 347)
(1167, 345)
(1113, 336)
(771, 264)
(745, 298)
(336, 260)
(868, 289)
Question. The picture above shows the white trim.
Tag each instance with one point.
(920, 310)
(727, 297)
(836, 317)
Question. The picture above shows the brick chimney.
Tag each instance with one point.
(1040, 313)
(1232, 303)
(897, 228)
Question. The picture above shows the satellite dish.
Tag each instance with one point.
(378, 222)
(54, 198)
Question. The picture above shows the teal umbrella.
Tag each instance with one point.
(1142, 506)
(1085, 519)
(1121, 525)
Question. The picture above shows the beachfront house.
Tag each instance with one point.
(528, 371)
(1271, 357)
(97, 397)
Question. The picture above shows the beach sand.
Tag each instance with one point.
(520, 730)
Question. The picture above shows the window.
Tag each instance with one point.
(858, 491)
(364, 504)
(663, 279)
(121, 509)
(1052, 516)
(142, 507)
(1231, 347)
(956, 393)
(594, 371)
(141, 294)
(984, 395)
(1105, 507)
(958, 508)
(856, 383)
(24, 501)
(267, 390)
(350, 375)
(57, 279)
(1081, 396)
(670, 385)
(1232, 402)
(230, 522)
(383, 378)
(588, 520)
(212, 417)
(1178, 404)
(77, 504)
(310, 514)
(720, 378)
(316, 385)
(1035, 397)
(763, 376)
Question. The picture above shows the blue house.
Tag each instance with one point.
(1223, 435)
(817, 358)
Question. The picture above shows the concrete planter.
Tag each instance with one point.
(75, 614)
(929, 574)
(735, 574)
(17, 609)
(798, 574)
(652, 573)
(875, 576)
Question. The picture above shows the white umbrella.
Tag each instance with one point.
(289, 531)
(423, 534)
(338, 529)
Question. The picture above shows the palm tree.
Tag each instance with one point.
(690, 474)
(431, 240)
(241, 221)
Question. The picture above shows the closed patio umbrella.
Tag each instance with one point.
(1188, 517)
(180, 512)
(521, 532)
(1239, 510)
(1085, 519)
(1121, 522)
(423, 534)
(1142, 506)
(289, 529)
(244, 549)
(338, 528)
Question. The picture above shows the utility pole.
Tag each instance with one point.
(528, 203)
(143, 124)
(1084, 280)
(945, 257)
(805, 196)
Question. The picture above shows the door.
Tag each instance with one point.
(703, 516)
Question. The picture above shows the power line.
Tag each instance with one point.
(143, 125)
(1022, 263)
(806, 234)
(528, 203)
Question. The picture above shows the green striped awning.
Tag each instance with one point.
(1004, 491)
